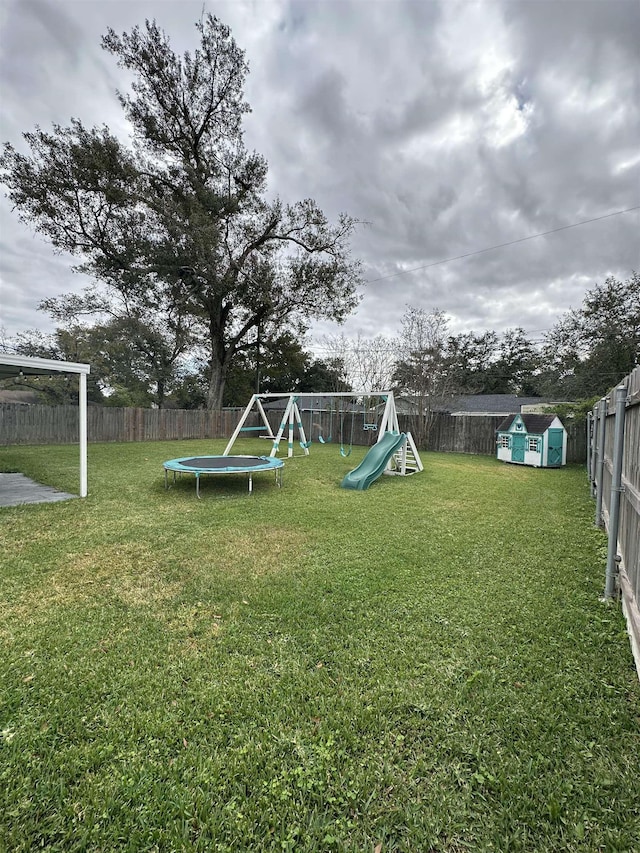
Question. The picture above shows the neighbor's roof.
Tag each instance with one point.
(490, 403)
(18, 397)
(315, 402)
(536, 424)
(14, 365)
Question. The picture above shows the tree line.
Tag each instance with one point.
(586, 352)
(205, 285)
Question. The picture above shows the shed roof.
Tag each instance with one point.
(536, 424)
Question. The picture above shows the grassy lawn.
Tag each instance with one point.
(424, 666)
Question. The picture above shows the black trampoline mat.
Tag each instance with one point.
(216, 462)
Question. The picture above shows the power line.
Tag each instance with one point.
(502, 245)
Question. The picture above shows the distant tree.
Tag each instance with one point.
(471, 357)
(138, 356)
(423, 370)
(179, 223)
(593, 347)
(325, 376)
(5, 344)
(517, 364)
(367, 364)
(284, 366)
(489, 363)
(571, 411)
(135, 358)
(190, 391)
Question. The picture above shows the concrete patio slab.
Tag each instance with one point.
(16, 489)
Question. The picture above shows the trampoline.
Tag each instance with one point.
(222, 465)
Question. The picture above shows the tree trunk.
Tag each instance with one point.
(216, 385)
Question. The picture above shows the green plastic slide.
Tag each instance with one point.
(374, 462)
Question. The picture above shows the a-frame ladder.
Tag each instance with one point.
(290, 420)
(406, 460)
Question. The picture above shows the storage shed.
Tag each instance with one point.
(537, 440)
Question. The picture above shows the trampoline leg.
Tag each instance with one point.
(250, 483)
(198, 486)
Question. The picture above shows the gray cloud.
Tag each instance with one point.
(445, 127)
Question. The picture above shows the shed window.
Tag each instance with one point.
(532, 444)
(505, 441)
(518, 425)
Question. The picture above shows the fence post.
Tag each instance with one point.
(602, 417)
(594, 449)
(588, 431)
(616, 488)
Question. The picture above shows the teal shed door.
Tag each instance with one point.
(517, 448)
(554, 453)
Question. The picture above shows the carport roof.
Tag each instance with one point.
(14, 365)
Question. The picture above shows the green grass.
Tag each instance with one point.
(424, 666)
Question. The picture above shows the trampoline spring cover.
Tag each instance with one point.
(220, 464)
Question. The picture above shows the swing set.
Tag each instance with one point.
(408, 461)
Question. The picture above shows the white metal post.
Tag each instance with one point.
(82, 393)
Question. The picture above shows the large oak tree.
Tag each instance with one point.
(179, 222)
(593, 347)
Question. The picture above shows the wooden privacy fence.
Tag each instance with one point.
(21, 424)
(613, 465)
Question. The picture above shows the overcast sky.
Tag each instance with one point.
(448, 127)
